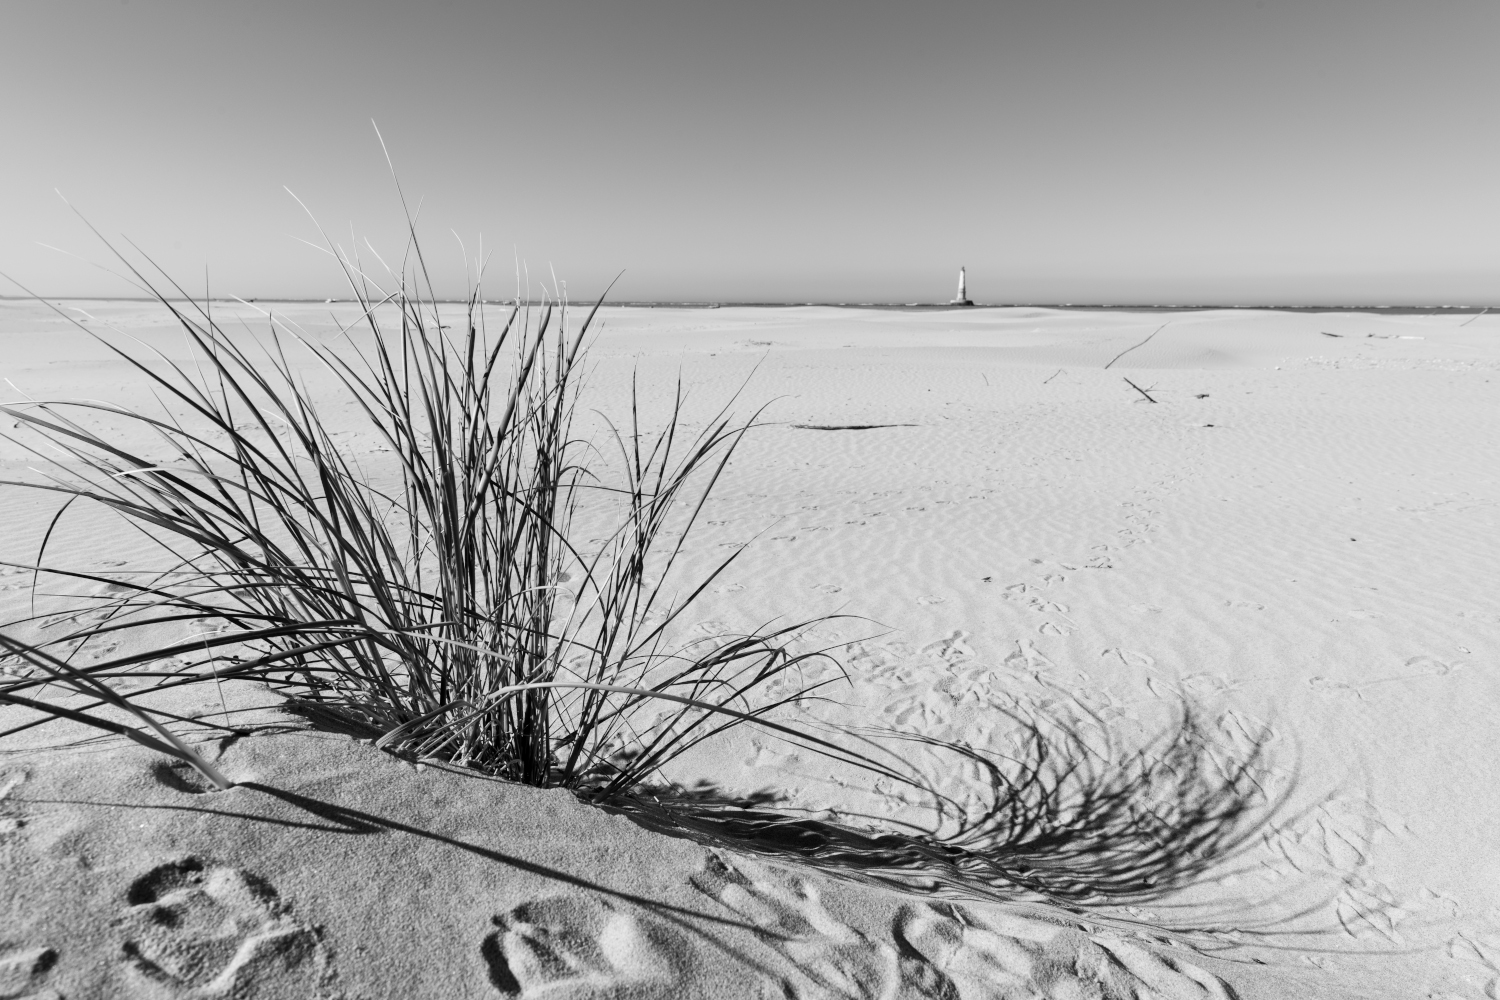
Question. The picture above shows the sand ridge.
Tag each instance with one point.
(332, 870)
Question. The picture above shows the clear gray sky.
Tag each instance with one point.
(1123, 151)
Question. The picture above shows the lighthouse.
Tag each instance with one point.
(962, 298)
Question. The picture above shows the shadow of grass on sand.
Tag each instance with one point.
(439, 617)
(1068, 820)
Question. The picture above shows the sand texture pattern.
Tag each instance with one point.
(1297, 538)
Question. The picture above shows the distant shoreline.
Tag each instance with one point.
(1393, 310)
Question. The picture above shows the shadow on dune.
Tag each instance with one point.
(1079, 823)
(268, 804)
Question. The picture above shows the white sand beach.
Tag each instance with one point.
(1295, 533)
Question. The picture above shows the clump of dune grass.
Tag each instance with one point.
(445, 609)
(450, 615)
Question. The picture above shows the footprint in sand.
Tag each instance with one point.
(1482, 949)
(1336, 841)
(712, 629)
(953, 647)
(1130, 658)
(833, 959)
(23, 973)
(1367, 908)
(915, 711)
(180, 776)
(766, 755)
(1027, 658)
(1009, 955)
(968, 685)
(194, 929)
(1321, 683)
(580, 948)
(10, 822)
(939, 951)
(100, 652)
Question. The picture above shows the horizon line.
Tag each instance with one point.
(786, 304)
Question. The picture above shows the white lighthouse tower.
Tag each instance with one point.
(963, 291)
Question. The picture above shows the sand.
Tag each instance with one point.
(1296, 536)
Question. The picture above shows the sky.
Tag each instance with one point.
(1242, 152)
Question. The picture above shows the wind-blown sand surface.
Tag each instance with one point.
(1297, 537)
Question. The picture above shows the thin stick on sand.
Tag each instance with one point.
(1127, 350)
(1138, 389)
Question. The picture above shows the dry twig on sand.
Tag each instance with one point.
(1143, 343)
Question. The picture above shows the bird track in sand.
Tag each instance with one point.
(942, 951)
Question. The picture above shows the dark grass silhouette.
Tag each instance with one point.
(453, 616)
(1067, 821)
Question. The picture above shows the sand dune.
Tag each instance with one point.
(1297, 537)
